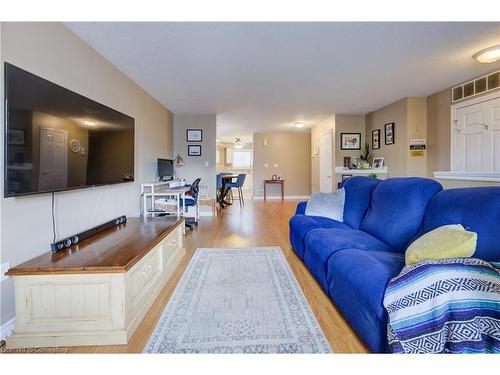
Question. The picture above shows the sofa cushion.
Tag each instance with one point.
(477, 209)
(300, 225)
(356, 283)
(397, 208)
(448, 241)
(320, 244)
(330, 205)
(358, 191)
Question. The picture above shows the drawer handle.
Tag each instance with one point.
(173, 243)
(146, 272)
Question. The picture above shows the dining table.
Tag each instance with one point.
(224, 190)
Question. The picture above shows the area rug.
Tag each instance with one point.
(238, 301)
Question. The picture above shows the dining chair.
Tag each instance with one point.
(239, 185)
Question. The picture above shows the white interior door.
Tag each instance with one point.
(325, 162)
(53, 159)
(476, 137)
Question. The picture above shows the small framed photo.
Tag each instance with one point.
(194, 135)
(375, 139)
(346, 176)
(378, 163)
(16, 137)
(350, 141)
(194, 150)
(389, 133)
(347, 162)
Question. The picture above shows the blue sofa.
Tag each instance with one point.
(353, 261)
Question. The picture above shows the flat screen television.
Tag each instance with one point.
(165, 169)
(56, 139)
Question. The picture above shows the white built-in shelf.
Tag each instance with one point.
(342, 170)
(467, 176)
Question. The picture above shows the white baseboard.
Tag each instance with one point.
(7, 329)
(278, 197)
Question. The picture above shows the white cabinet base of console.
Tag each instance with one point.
(94, 308)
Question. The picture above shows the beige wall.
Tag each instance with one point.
(438, 132)
(327, 124)
(291, 151)
(451, 184)
(416, 127)
(53, 52)
(394, 155)
(196, 166)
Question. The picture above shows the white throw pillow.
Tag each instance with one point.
(330, 205)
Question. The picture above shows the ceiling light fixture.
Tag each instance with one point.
(88, 122)
(299, 125)
(488, 55)
(238, 143)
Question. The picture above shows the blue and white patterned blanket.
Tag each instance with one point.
(445, 306)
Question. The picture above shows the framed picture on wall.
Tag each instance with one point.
(347, 162)
(194, 150)
(378, 163)
(375, 139)
(389, 133)
(194, 135)
(350, 141)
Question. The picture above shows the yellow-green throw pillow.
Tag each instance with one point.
(448, 241)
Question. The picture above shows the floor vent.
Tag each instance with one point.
(475, 87)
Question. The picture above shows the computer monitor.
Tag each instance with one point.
(165, 169)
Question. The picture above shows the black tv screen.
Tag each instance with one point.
(165, 168)
(56, 139)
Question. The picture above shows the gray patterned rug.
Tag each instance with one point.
(238, 301)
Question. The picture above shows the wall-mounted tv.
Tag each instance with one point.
(56, 139)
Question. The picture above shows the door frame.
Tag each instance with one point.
(329, 133)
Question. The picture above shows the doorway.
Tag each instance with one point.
(325, 162)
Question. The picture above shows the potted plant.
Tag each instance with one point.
(365, 158)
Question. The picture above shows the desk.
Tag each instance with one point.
(282, 185)
(154, 190)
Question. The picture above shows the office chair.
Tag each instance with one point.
(191, 199)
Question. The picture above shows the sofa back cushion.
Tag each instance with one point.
(397, 209)
(358, 192)
(477, 209)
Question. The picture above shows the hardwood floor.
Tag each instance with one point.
(257, 224)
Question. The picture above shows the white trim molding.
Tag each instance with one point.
(467, 176)
(278, 197)
(7, 329)
(342, 170)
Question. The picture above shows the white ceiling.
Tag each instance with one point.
(266, 76)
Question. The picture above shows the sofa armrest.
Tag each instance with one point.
(301, 208)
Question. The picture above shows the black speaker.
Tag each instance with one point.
(74, 239)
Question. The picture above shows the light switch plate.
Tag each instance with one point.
(4, 268)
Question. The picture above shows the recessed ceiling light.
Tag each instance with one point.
(488, 55)
(88, 122)
(299, 124)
